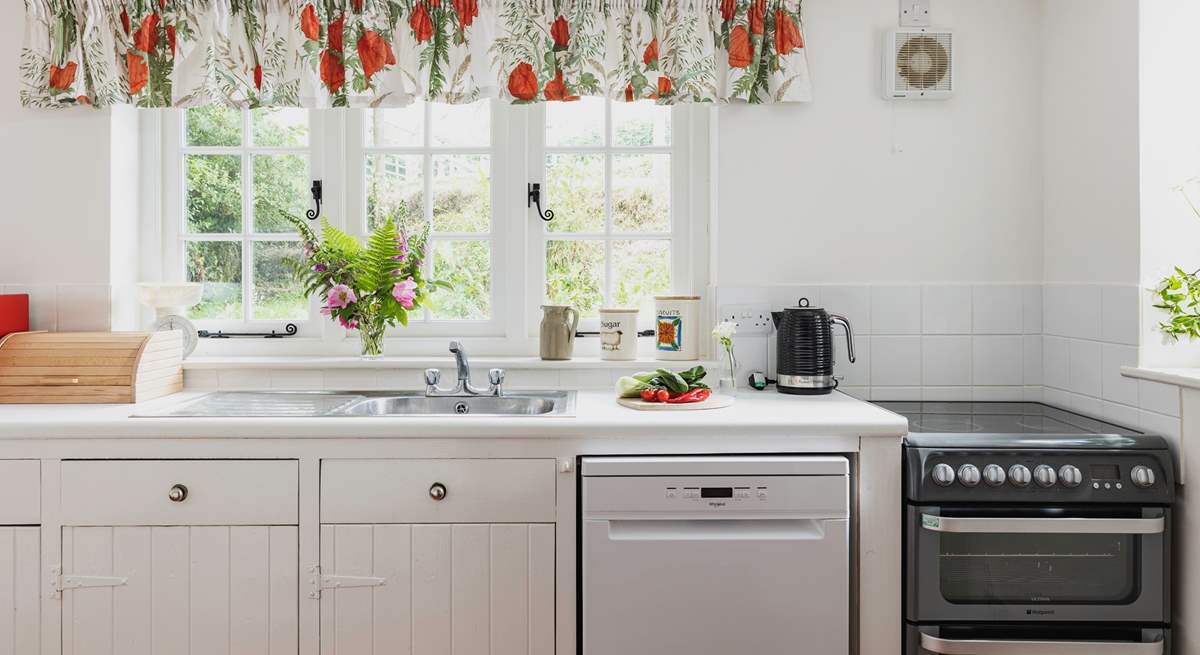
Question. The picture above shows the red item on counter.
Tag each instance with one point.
(14, 313)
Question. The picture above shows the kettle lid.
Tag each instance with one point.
(803, 305)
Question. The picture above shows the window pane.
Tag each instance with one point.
(401, 127)
(468, 266)
(213, 125)
(642, 193)
(575, 191)
(462, 200)
(277, 295)
(641, 123)
(641, 269)
(218, 265)
(280, 188)
(575, 274)
(461, 126)
(280, 128)
(394, 188)
(214, 193)
(579, 123)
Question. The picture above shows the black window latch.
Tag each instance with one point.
(316, 196)
(535, 198)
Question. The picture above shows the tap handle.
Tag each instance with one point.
(496, 376)
(456, 347)
(432, 377)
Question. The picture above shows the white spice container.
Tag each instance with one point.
(676, 327)
(618, 333)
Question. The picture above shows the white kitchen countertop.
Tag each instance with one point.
(754, 415)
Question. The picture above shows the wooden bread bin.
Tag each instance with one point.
(90, 367)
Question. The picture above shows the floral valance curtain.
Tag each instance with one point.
(372, 53)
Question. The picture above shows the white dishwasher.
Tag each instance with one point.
(717, 555)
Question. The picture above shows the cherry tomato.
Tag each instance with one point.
(648, 395)
(663, 395)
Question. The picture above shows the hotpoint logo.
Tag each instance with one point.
(1038, 612)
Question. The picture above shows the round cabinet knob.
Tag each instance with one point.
(1143, 476)
(1018, 475)
(437, 491)
(993, 474)
(943, 475)
(968, 475)
(1070, 476)
(177, 494)
(1045, 476)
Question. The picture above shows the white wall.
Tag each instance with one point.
(855, 189)
(1090, 140)
(1169, 94)
(66, 179)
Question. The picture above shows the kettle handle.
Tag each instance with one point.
(841, 320)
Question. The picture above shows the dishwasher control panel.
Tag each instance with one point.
(717, 494)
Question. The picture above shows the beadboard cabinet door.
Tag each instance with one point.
(437, 589)
(162, 590)
(20, 603)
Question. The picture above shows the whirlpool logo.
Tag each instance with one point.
(1038, 612)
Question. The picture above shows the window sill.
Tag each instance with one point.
(480, 362)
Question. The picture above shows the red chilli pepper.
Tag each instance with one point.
(699, 394)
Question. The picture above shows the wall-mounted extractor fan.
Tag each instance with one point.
(918, 64)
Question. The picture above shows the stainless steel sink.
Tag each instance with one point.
(524, 404)
(370, 403)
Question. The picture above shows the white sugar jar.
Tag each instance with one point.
(677, 327)
(618, 333)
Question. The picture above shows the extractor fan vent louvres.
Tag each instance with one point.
(919, 64)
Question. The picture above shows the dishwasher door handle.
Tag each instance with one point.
(1000, 647)
(717, 530)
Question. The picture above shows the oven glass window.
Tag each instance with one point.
(1038, 568)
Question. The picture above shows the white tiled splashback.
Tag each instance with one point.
(66, 307)
(517, 378)
(1059, 343)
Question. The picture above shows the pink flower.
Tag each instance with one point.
(405, 292)
(341, 296)
(348, 324)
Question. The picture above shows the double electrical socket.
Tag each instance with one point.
(750, 319)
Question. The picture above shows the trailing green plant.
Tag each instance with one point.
(1178, 294)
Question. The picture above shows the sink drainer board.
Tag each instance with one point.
(713, 402)
(293, 404)
(249, 403)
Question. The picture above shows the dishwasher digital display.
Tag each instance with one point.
(716, 492)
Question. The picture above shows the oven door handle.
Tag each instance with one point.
(996, 647)
(1015, 525)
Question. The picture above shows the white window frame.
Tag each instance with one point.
(518, 234)
(174, 231)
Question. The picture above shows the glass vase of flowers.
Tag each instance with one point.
(365, 287)
(727, 382)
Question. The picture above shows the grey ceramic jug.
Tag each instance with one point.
(559, 323)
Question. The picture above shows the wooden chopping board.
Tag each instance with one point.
(713, 402)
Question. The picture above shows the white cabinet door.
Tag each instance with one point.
(20, 603)
(215, 590)
(437, 589)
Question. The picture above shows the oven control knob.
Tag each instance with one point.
(1143, 476)
(943, 475)
(968, 475)
(1018, 475)
(1045, 476)
(993, 474)
(1070, 476)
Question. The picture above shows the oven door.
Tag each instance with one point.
(1037, 564)
(1036, 640)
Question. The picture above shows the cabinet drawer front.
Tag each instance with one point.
(21, 489)
(218, 492)
(476, 491)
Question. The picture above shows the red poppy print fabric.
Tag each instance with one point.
(377, 53)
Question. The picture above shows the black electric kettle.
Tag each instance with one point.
(804, 349)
